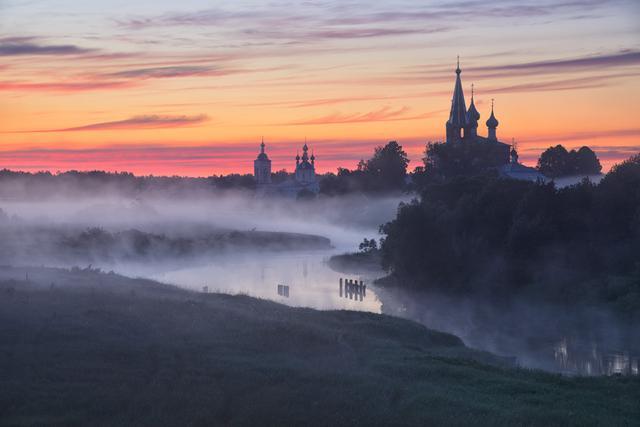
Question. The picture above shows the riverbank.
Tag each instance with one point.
(366, 263)
(86, 348)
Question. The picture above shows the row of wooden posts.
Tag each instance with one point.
(283, 291)
(353, 288)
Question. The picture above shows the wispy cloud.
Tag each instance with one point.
(63, 86)
(138, 122)
(25, 46)
(599, 62)
(167, 72)
(361, 13)
(555, 85)
(308, 23)
(587, 135)
(385, 114)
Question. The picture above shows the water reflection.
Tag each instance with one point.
(583, 341)
(552, 339)
(571, 359)
(299, 279)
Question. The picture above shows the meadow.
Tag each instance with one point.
(81, 347)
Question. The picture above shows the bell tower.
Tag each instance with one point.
(262, 167)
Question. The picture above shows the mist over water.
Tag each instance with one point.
(254, 268)
(551, 337)
(589, 341)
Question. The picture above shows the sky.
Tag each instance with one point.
(190, 88)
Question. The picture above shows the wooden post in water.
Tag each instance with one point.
(341, 287)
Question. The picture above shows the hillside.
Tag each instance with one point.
(85, 348)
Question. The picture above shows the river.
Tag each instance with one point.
(575, 342)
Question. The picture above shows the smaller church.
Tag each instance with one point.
(303, 180)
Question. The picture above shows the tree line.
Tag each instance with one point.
(501, 237)
(385, 171)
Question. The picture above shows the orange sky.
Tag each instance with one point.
(189, 89)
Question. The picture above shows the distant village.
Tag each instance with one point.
(461, 130)
(463, 152)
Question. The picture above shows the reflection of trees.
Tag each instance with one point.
(575, 357)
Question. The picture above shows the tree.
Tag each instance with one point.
(554, 162)
(368, 246)
(557, 161)
(387, 169)
(444, 160)
(279, 176)
(495, 236)
(585, 161)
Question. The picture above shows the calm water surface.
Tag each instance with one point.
(548, 339)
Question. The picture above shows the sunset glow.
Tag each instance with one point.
(190, 88)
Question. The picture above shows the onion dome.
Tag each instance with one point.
(472, 114)
(492, 122)
(262, 155)
(305, 153)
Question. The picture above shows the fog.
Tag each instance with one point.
(344, 220)
(230, 242)
(585, 340)
(235, 243)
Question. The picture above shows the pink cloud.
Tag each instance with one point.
(138, 122)
(384, 114)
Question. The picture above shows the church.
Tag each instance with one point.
(462, 128)
(304, 180)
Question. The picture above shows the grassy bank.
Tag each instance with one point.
(85, 348)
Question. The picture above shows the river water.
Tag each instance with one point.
(547, 338)
(586, 342)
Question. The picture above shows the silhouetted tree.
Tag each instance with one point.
(585, 161)
(387, 169)
(368, 245)
(557, 161)
(554, 161)
(492, 235)
(443, 161)
(279, 176)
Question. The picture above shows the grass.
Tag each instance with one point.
(99, 349)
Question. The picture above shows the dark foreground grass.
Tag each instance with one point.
(96, 349)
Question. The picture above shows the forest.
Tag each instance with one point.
(498, 237)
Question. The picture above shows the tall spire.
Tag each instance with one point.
(262, 146)
(458, 116)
